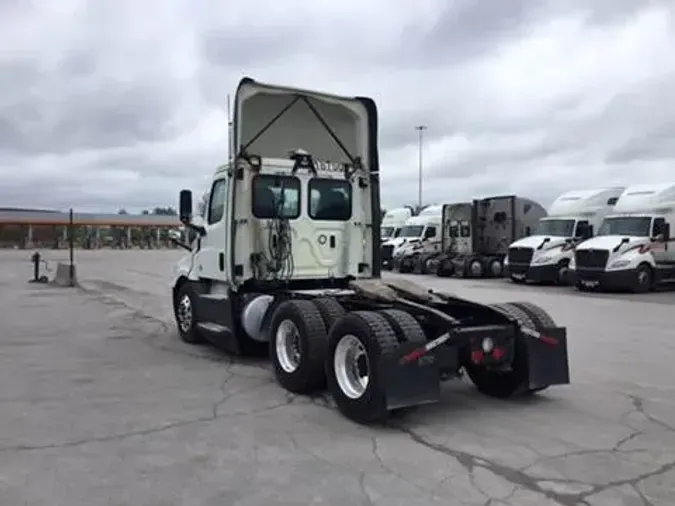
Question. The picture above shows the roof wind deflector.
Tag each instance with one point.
(355, 161)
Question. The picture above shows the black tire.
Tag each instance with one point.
(405, 267)
(475, 268)
(331, 310)
(495, 268)
(379, 339)
(515, 382)
(562, 273)
(184, 310)
(644, 279)
(445, 270)
(538, 316)
(308, 375)
(406, 327)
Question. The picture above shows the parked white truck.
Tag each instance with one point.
(632, 249)
(425, 227)
(393, 221)
(545, 255)
(421, 233)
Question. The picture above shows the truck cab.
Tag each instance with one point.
(632, 249)
(279, 214)
(456, 238)
(286, 263)
(421, 233)
(495, 223)
(545, 255)
(393, 221)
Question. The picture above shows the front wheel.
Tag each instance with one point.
(186, 317)
(644, 279)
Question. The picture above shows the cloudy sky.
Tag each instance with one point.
(119, 103)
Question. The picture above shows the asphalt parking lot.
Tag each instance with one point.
(102, 405)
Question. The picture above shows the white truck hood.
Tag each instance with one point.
(534, 241)
(609, 242)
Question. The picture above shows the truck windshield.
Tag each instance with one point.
(559, 228)
(412, 231)
(626, 225)
(386, 231)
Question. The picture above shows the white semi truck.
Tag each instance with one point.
(421, 233)
(287, 262)
(544, 256)
(415, 230)
(393, 221)
(632, 248)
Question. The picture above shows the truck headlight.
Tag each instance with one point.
(542, 260)
(619, 263)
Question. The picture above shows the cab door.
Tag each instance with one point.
(211, 257)
(662, 252)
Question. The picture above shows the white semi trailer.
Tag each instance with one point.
(632, 249)
(545, 255)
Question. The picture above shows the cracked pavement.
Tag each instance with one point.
(101, 404)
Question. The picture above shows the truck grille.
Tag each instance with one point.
(386, 252)
(520, 255)
(591, 258)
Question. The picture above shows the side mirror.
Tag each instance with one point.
(528, 232)
(185, 213)
(665, 231)
(185, 206)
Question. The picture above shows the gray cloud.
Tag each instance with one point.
(101, 108)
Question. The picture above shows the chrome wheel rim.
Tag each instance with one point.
(184, 313)
(476, 268)
(287, 343)
(352, 370)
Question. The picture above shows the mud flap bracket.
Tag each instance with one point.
(547, 361)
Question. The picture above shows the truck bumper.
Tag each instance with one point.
(534, 273)
(594, 279)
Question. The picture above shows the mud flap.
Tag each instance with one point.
(548, 361)
(417, 382)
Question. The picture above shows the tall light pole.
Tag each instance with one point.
(420, 129)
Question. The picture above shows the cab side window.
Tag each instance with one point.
(430, 232)
(217, 201)
(580, 225)
(657, 226)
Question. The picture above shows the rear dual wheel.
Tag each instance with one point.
(299, 340)
(316, 343)
(356, 344)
